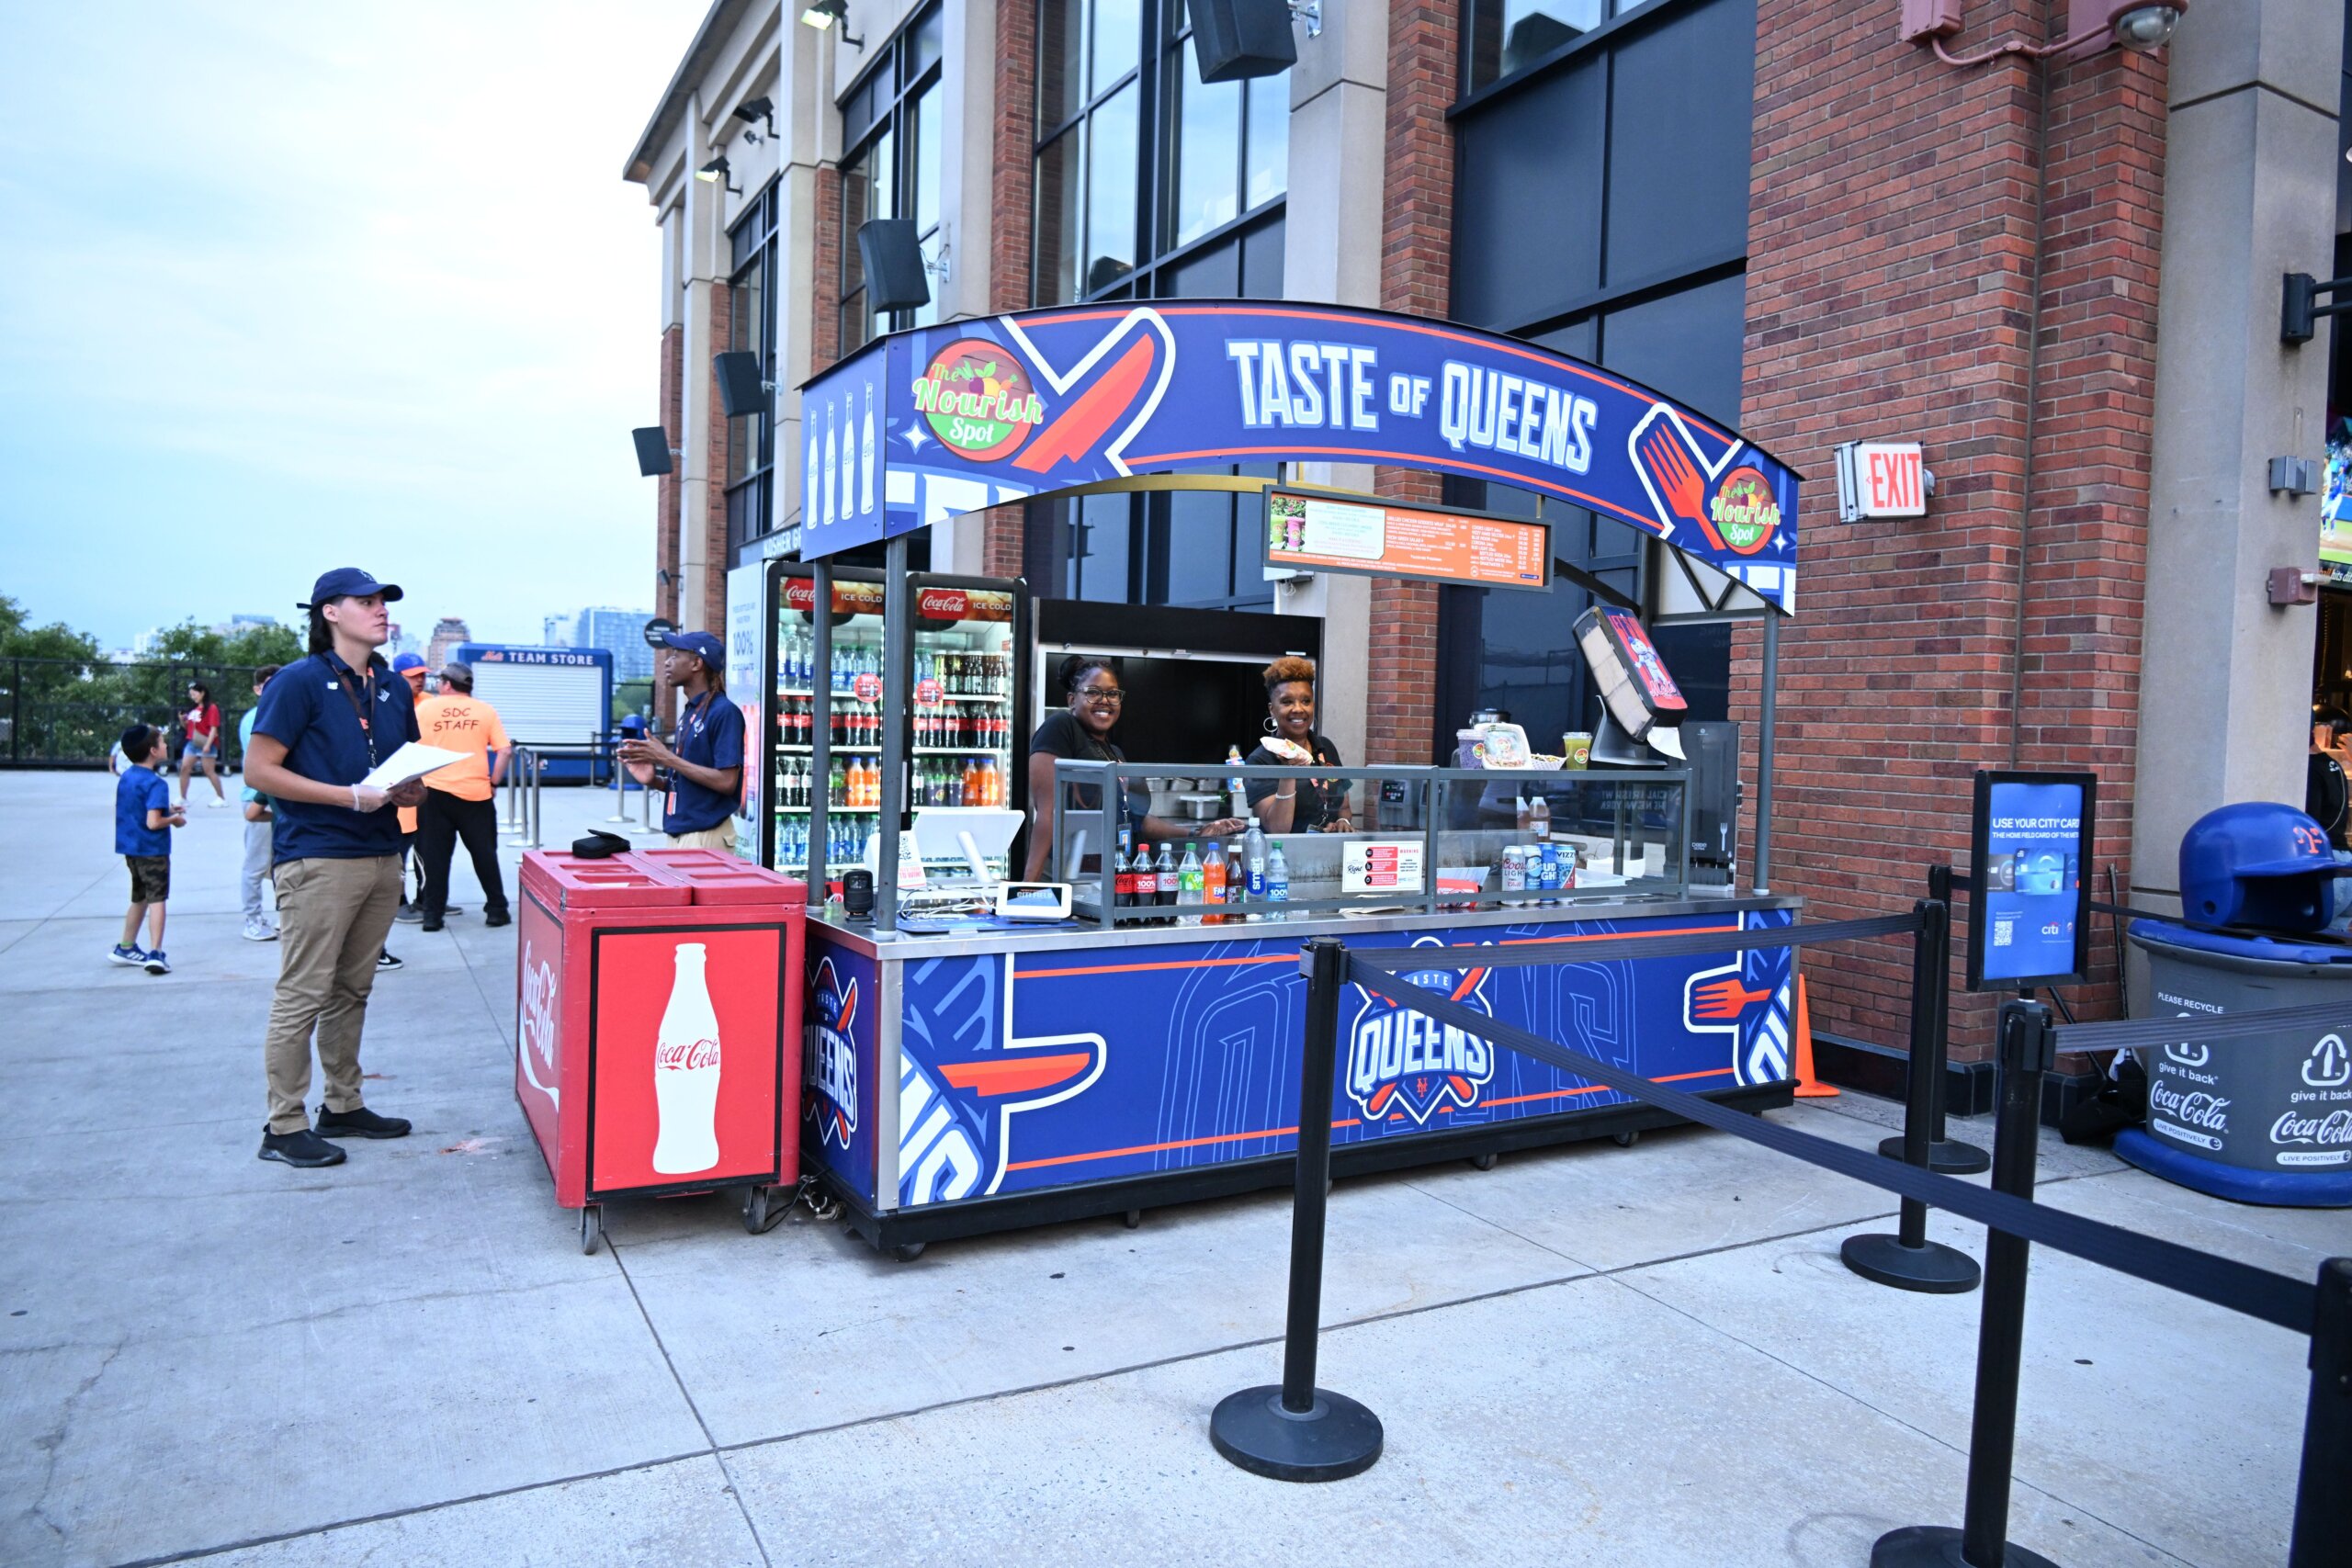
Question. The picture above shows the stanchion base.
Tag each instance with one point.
(1938, 1546)
(1934, 1267)
(1947, 1157)
(1339, 1438)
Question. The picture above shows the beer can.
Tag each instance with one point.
(1514, 874)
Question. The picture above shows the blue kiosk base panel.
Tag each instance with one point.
(2277, 1190)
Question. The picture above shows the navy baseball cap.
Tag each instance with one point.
(702, 645)
(347, 582)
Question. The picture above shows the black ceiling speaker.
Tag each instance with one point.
(894, 279)
(1236, 40)
(742, 389)
(652, 450)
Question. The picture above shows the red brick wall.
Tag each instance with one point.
(1892, 239)
(1416, 257)
(711, 613)
(1011, 201)
(825, 340)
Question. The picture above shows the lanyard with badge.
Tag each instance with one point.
(359, 708)
(698, 715)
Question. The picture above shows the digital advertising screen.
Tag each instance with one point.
(2029, 922)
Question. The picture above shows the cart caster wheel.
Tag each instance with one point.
(1481, 1162)
(907, 1251)
(1132, 1219)
(592, 1228)
(1624, 1140)
(759, 1214)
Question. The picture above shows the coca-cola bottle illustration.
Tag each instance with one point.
(685, 1072)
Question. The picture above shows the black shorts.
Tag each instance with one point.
(150, 878)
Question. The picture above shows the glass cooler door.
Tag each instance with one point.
(964, 719)
(854, 783)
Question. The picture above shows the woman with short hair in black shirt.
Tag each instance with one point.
(1081, 732)
(1296, 805)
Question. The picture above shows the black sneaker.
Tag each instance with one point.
(361, 1123)
(386, 963)
(498, 918)
(301, 1147)
(432, 923)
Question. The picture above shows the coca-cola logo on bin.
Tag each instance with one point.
(685, 1071)
(944, 604)
(536, 1025)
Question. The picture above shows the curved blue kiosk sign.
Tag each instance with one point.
(926, 424)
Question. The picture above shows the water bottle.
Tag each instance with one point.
(1233, 785)
(1253, 854)
(1277, 882)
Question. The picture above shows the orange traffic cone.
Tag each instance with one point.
(1808, 1086)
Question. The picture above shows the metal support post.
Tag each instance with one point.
(2323, 1497)
(898, 684)
(514, 807)
(538, 765)
(2027, 1051)
(820, 723)
(1766, 737)
(1907, 1259)
(1295, 1431)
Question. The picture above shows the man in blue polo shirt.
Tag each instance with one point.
(705, 758)
(322, 725)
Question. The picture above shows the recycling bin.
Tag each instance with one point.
(2266, 1118)
(658, 1027)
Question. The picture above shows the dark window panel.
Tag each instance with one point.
(1212, 273)
(1527, 200)
(1199, 544)
(1059, 168)
(1061, 75)
(1262, 261)
(1102, 534)
(1110, 247)
(1687, 344)
(1681, 141)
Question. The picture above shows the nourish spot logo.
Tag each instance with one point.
(978, 400)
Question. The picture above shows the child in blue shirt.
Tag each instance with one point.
(143, 819)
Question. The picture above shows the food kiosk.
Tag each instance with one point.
(978, 1059)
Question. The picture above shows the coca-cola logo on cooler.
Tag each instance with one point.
(2329, 1131)
(2210, 1111)
(944, 604)
(535, 1025)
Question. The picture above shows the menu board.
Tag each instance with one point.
(2029, 922)
(1381, 865)
(1305, 532)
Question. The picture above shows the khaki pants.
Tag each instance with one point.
(719, 838)
(333, 915)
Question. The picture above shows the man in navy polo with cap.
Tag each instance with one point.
(705, 758)
(322, 725)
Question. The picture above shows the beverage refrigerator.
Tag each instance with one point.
(966, 712)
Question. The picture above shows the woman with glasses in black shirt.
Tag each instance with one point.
(1081, 732)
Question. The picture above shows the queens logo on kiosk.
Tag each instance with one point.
(831, 1052)
(1404, 1062)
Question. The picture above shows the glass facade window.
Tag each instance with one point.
(1502, 38)
(751, 438)
(891, 123)
(1141, 170)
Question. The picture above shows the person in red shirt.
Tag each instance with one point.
(200, 742)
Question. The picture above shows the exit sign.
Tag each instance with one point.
(1882, 478)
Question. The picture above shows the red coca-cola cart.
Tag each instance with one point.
(658, 1028)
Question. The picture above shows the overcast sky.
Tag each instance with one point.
(285, 286)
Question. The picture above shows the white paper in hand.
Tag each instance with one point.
(413, 760)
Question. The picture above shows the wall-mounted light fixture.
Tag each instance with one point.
(2091, 26)
(752, 111)
(715, 172)
(824, 14)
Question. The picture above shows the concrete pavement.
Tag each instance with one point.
(1585, 1355)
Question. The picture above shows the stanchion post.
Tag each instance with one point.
(2027, 1051)
(1294, 1430)
(538, 765)
(1948, 1155)
(2324, 1490)
(1907, 1259)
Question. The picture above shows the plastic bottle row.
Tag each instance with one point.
(845, 840)
(960, 672)
(857, 784)
(1217, 887)
(937, 726)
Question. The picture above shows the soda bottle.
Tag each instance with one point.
(1277, 882)
(1124, 869)
(1189, 884)
(1164, 881)
(1213, 884)
(1237, 883)
(1539, 819)
(1240, 796)
(686, 1071)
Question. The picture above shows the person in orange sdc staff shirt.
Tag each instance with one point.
(458, 799)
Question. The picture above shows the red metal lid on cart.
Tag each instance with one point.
(715, 876)
(564, 881)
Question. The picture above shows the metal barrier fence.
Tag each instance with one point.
(67, 713)
(1296, 1431)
